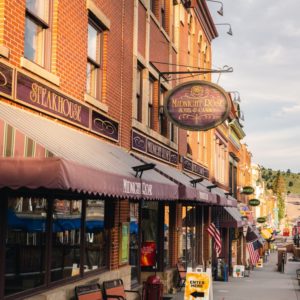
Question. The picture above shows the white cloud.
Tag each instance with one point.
(264, 53)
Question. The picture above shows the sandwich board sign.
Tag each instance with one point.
(197, 286)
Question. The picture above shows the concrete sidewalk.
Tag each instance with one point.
(263, 284)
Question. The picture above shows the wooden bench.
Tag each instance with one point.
(88, 292)
(114, 289)
(181, 275)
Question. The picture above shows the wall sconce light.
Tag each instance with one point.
(227, 24)
(220, 11)
(228, 194)
(140, 169)
(210, 187)
(195, 181)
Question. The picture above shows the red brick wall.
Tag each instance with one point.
(159, 46)
(14, 25)
(69, 59)
(142, 29)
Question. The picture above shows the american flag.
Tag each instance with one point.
(253, 252)
(214, 232)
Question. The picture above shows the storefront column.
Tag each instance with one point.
(179, 231)
(207, 249)
(173, 238)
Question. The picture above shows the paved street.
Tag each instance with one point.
(263, 284)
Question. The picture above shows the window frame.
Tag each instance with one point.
(139, 93)
(49, 221)
(151, 99)
(45, 25)
(97, 65)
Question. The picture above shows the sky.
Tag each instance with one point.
(264, 53)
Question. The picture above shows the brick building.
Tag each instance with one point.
(94, 177)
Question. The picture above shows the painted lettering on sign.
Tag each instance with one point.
(50, 100)
(137, 188)
(197, 105)
(189, 165)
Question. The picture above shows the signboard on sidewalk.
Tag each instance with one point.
(238, 271)
(197, 286)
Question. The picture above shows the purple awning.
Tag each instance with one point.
(82, 162)
(64, 175)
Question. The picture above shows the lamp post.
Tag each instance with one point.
(220, 11)
(226, 24)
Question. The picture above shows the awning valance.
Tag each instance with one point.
(185, 187)
(83, 164)
(235, 218)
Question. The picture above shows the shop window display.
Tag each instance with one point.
(25, 244)
(43, 232)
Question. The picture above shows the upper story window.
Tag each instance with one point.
(37, 32)
(152, 5)
(139, 95)
(163, 121)
(150, 103)
(93, 69)
(163, 14)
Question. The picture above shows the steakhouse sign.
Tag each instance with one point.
(197, 105)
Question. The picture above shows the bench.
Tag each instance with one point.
(114, 289)
(88, 292)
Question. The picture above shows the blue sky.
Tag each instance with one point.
(264, 52)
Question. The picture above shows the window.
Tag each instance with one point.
(139, 95)
(71, 253)
(37, 32)
(93, 60)
(29, 147)
(173, 132)
(163, 121)
(152, 5)
(9, 141)
(163, 14)
(188, 242)
(25, 244)
(150, 103)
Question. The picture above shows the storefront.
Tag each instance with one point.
(66, 218)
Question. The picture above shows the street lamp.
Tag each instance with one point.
(220, 11)
(227, 24)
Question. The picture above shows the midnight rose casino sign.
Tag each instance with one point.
(197, 105)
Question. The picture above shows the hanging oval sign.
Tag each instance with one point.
(247, 190)
(254, 202)
(197, 105)
(261, 220)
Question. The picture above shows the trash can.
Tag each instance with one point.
(153, 288)
(281, 259)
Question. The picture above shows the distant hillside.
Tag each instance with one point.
(292, 180)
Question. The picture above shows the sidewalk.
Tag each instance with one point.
(263, 284)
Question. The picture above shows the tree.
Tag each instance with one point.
(288, 172)
(291, 183)
(279, 191)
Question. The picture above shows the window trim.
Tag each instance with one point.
(46, 26)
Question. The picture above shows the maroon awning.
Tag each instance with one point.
(82, 162)
(60, 174)
(186, 190)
